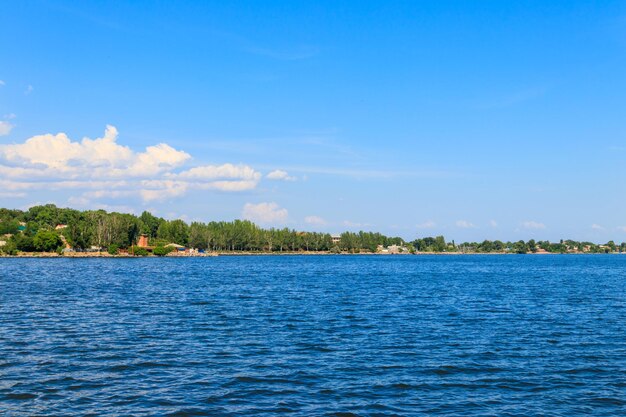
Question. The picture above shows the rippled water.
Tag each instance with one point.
(309, 335)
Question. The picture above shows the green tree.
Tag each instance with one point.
(113, 249)
(47, 241)
(149, 224)
(23, 242)
(137, 251)
(162, 250)
(9, 227)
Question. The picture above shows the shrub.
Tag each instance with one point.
(161, 250)
(140, 251)
(9, 248)
(113, 249)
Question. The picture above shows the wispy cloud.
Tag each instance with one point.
(280, 175)
(464, 224)
(293, 54)
(29, 89)
(352, 225)
(5, 127)
(533, 225)
(11, 194)
(372, 173)
(265, 213)
(511, 99)
(315, 220)
(429, 224)
(597, 227)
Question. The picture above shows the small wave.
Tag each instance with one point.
(21, 396)
(608, 401)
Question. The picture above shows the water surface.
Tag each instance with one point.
(314, 335)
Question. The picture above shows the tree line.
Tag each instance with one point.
(438, 245)
(48, 228)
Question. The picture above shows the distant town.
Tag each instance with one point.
(48, 230)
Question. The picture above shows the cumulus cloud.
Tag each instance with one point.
(280, 175)
(54, 161)
(264, 213)
(427, 225)
(464, 224)
(5, 127)
(315, 220)
(597, 227)
(533, 225)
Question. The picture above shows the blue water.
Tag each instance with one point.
(314, 335)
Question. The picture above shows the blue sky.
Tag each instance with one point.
(470, 119)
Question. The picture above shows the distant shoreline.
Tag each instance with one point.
(83, 255)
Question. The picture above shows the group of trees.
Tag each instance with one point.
(98, 229)
(36, 230)
(438, 244)
(433, 244)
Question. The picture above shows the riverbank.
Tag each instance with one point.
(233, 254)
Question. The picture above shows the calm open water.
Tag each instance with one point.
(314, 335)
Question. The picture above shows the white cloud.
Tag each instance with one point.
(427, 225)
(315, 220)
(622, 228)
(280, 175)
(5, 127)
(231, 171)
(464, 224)
(58, 157)
(597, 227)
(264, 213)
(351, 224)
(4, 194)
(56, 162)
(533, 225)
(106, 194)
(493, 223)
(162, 194)
(2, 83)
(29, 89)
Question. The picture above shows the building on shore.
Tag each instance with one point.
(143, 241)
(175, 246)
